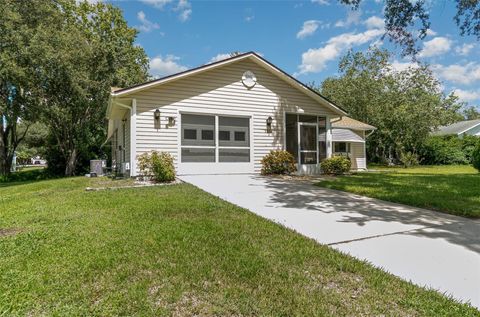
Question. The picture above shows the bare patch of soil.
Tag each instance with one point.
(8, 232)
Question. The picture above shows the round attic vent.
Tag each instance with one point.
(249, 79)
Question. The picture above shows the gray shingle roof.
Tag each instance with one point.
(457, 127)
(349, 123)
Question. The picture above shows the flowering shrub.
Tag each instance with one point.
(278, 162)
(157, 165)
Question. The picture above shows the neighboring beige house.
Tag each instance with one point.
(224, 117)
(468, 127)
(348, 137)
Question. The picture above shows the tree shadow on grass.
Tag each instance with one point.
(457, 194)
(24, 177)
(361, 210)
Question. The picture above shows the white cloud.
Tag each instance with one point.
(459, 74)
(159, 4)
(219, 57)
(146, 25)
(185, 9)
(374, 22)
(464, 49)
(309, 27)
(431, 32)
(321, 2)
(315, 59)
(401, 66)
(467, 95)
(353, 18)
(249, 18)
(436, 46)
(160, 66)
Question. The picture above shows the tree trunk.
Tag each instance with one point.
(5, 165)
(71, 163)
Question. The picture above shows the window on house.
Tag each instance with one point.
(224, 135)
(341, 148)
(190, 134)
(207, 134)
(239, 136)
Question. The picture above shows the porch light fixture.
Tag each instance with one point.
(171, 121)
(156, 119)
(269, 124)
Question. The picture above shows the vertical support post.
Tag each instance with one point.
(133, 138)
(328, 131)
(216, 132)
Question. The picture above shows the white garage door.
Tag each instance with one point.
(215, 144)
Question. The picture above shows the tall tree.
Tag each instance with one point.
(94, 50)
(20, 95)
(471, 113)
(407, 21)
(404, 105)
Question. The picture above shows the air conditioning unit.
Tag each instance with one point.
(97, 167)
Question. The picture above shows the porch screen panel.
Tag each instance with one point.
(291, 134)
(322, 138)
(198, 138)
(233, 139)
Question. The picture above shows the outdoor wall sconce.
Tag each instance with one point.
(156, 119)
(171, 121)
(269, 124)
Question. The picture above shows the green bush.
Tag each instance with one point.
(408, 159)
(157, 166)
(443, 150)
(468, 145)
(278, 162)
(476, 156)
(336, 165)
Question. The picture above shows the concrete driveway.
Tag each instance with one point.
(426, 247)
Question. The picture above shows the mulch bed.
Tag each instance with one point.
(138, 184)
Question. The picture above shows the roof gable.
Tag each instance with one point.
(250, 55)
(458, 127)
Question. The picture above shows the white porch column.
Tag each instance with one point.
(328, 131)
(133, 138)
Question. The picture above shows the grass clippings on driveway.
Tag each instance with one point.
(176, 250)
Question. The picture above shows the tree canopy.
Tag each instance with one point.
(407, 21)
(405, 106)
(58, 62)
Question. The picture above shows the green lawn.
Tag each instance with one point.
(176, 250)
(451, 189)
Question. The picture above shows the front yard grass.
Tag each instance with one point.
(450, 189)
(176, 250)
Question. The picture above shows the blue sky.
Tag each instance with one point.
(304, 38)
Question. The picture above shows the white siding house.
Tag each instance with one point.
(223, 117)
